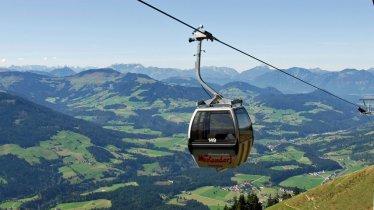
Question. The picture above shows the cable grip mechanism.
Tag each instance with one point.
(200, 34)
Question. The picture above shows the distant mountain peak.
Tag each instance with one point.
(123, 67)
(95, 71)
(62, 72)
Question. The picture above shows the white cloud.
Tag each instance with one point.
(45, 58)
(54, 57)
(20, 59)
(3, 60)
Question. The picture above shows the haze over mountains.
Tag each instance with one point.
(350, 83)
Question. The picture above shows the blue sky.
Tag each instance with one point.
(331, 35)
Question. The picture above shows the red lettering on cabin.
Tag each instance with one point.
(218, 159)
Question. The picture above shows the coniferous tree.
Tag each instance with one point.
(249, 203)
(295, 191)
(272, 201)
(242, 202)
(285, 195)
(253, 202)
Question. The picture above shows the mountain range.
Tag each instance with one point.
(101, 135)
(103, 92)
(349, 83)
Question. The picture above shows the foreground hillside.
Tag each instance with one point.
(43, 150)
(352, 191)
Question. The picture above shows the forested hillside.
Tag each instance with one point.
(102, 138)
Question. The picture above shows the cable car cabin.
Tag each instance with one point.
(220, 137)
(220, 134)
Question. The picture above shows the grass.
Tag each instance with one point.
(140, 142)
(281, 132)
(67, 172)
(91, 171)
(213, 197)
(353, 168)
(96, 78)
(94, 204)
(217, 193)
(112, 187)
(32, 154)
(51, 100)
(320, 107)
(342, 156)
(112, 148)
(285, 167)
(131, 129)
(266, 191)
(87, 118)
(3, 181)
(352, 191)
(151, 169)
(176, 117)
(290, 154)
(256, 180)
(303, 181)
(149, 152)
(174, 144)
(369, 133)
(16, 203)
(79, 163)
(10, 205)
(281, 206)
(287, 116)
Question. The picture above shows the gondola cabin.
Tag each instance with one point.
(220, 134)
(220, 137)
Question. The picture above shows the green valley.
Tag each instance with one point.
(124, 136)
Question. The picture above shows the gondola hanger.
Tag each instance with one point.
(220, 132)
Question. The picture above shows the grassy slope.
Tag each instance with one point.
(305, 181)
(112, 187)
(16, 203)
(256, 180)
(213, 197)
(352, 191)
(94, 204)
(72, 148)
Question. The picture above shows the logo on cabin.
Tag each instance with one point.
(215, 159)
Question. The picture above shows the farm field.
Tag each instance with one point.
(10, 205)
(16, 203)
(290, 154)
(213, 197)
(150, 169)
(343, 159)
(149, 152)
(131, 129)
(303, 181)
(174, 144)
(285, 167)
(112, 187)
(94, 204)
(256, 180)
